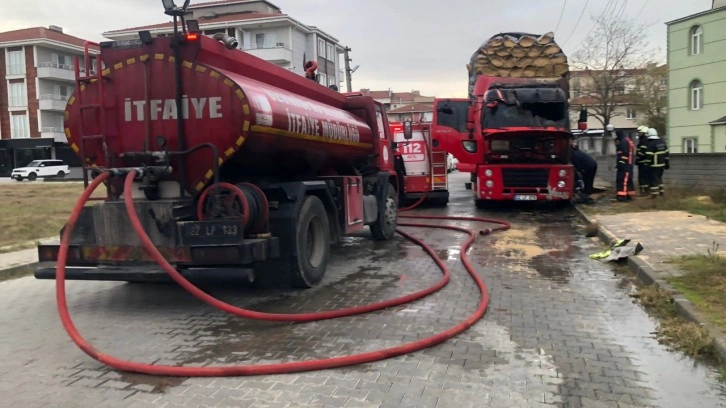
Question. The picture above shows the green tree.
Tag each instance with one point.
(651, 96)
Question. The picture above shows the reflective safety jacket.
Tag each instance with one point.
(625, 151)
(641, 156)
(657, 153)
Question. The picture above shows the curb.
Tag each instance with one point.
(7, 274)
(649, 276)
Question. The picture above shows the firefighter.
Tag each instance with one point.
(586, 168)
(641, 159)
(624, 153)
(658, 161)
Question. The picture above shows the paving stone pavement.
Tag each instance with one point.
(686, 234)
(560, 331)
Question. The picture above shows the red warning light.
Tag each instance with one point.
(192, 36)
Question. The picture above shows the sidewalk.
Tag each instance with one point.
(665, 235)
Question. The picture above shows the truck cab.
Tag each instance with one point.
(512, 136)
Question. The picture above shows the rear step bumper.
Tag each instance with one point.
(145, 273)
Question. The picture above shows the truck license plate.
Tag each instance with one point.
(525, 197)
(213, 232)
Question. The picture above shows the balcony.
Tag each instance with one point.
(276, 53)
(52, 102)
(53, 132)
(52, 70)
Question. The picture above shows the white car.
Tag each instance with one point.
(41, 168)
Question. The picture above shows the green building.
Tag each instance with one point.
(697, 81)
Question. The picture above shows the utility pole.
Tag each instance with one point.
(348, 84)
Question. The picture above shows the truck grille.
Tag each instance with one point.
(525, 177)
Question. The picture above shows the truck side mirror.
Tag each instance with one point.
(407, 130)
(582, 122)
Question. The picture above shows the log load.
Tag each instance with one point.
(519, 55)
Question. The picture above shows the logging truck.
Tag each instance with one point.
(513, 131)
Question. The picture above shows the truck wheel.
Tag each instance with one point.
(61, 174)
(385, 227)
(19, 179)
(312, 243)
(32, 176)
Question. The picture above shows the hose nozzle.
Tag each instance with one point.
(229, 42)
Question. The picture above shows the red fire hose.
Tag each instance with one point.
(280, 367)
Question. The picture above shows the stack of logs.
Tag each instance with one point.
(519, 56)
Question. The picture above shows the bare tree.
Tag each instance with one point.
(651, 96)
(608, 53)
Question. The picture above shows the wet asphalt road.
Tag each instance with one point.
(560, 331)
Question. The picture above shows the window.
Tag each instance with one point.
(16, 62)
(690, 145)
(322, 79)
(321, 47)
(696, 40)
(260, 40)
(696, 94)
(331, 81)
(331, 52)
(19, 127)
(576, 88)
(17, 95)
(630, 113)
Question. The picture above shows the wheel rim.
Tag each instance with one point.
(314, 242)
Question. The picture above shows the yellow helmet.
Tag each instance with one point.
(642, 129)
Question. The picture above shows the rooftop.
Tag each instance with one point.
(40, 34)
(414, 108)
(241, 16)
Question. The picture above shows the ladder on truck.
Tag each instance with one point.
(84, 77)
(439, 172)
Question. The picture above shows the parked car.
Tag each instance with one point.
(42, 169)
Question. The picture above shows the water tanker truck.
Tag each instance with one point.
(512, 133)
(243, 169)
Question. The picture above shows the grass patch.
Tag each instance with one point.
(673, 331)
(33, 211)
(704, 285)
(14, 273)
(710, 204)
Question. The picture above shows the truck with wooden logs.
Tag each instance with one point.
(512, 133)
(238, 168)
(423, 169)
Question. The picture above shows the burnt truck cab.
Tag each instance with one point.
(513, 136)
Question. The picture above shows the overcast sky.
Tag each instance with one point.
(399, 44)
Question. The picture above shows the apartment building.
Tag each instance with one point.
(402, 106)
(696, 86)
(263, 30)
(627, 114)
(37, 71)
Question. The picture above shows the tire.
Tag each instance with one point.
(385, 227)
(481, 204)
(32, 176)
(312, 244)
(18, 179)
(61, 174)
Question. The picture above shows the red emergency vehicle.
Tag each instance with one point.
(422, 167)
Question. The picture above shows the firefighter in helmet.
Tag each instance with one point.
(658, 158)
(641, 159)
(625, 156)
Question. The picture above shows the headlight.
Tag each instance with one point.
(561, 184)
(489, 183)
(488, 173)
(563, 173)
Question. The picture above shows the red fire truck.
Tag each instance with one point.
(423, 165)
(513, 132)
(234, 166)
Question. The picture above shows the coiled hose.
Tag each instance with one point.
(279, 368)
